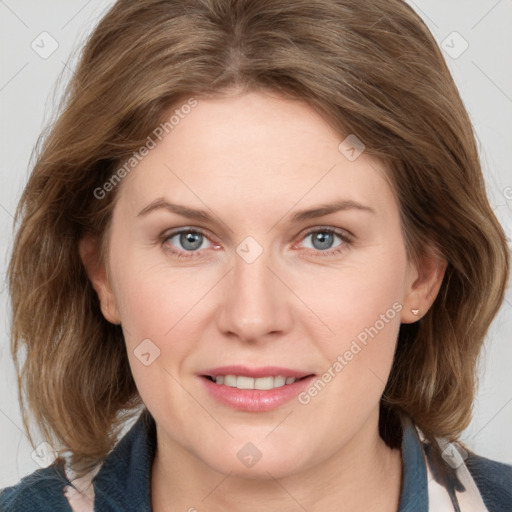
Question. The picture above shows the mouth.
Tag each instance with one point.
(262, 383)
(254, 389)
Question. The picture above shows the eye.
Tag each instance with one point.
(323, 238)
(188, 240)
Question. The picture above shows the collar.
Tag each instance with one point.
(414, 493)
(124, 479)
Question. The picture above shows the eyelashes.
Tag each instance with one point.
(196, 252)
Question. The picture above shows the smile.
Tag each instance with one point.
(262, 383)
(254, 389)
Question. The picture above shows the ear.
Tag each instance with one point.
(424, 279)
(88, 248)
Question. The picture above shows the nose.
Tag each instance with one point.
(256, 304)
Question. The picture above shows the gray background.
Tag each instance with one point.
(28, 91)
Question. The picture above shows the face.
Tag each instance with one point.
(254, 292)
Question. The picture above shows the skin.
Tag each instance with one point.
(252, 160)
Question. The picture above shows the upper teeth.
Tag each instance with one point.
(242, 382)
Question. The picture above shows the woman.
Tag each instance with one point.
(260, 229)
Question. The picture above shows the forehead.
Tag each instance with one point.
(262, 151)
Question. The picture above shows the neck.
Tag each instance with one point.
(363, 476)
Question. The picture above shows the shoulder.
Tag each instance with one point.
(122, 481)
(41, 491)
(494, 481)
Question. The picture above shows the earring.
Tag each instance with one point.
(415, 312)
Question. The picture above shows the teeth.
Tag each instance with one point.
(245, 383)
(262, 383)
(265, 383)
(280, 381)
(229, 380)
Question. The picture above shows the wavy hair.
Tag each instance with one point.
(370, 68)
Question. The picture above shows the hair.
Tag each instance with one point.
(370, 68)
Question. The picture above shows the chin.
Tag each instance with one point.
(250, 462)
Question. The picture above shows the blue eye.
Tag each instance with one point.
(323, 239)
(191, 241)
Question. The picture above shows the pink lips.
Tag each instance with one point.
(255, 400)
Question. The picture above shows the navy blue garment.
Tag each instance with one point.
(123, 482)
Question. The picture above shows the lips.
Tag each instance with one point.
(254, 389)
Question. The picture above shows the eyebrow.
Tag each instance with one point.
(203, 215)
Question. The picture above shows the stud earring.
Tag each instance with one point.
(415, 312)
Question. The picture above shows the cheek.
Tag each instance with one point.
(152, 298)
(358, 298)
(158, 322)
(361, 306)
(163, 311)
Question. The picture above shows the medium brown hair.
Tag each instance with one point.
(371, 68)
